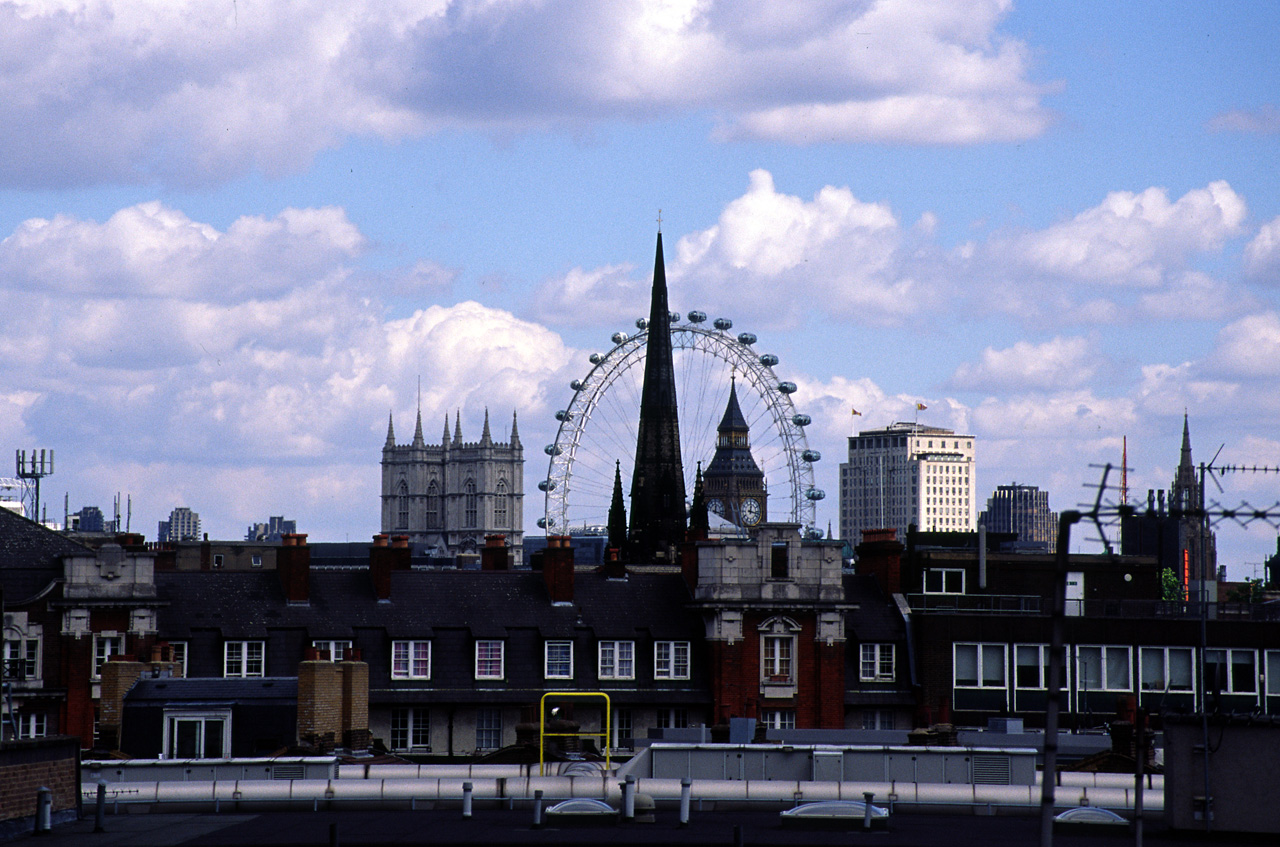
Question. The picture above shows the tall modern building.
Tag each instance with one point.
(907, 474)
(183, 525)
(1023, 509)
(657, 477)
(449, 496)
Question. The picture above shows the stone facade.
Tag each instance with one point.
(447, 497)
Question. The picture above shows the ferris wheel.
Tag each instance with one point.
(597, 430)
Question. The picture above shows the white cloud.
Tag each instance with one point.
(1057, 363)
(1195, 294)
(1262, 254)
(193, 93)
(1249, 346)
(1068, 415)
(1265, 120)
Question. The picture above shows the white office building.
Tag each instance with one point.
(906, 474)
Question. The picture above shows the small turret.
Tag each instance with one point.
(485, 440)
(391, 432)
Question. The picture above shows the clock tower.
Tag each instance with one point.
(733, 483)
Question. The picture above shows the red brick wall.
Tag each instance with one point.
(31, 764)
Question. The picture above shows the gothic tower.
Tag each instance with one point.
(657, 479)
(1196, 545)
(733, 483)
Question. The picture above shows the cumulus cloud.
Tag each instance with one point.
(1249, 346)
(191, 92)
(1057, 363)
(1262, 254)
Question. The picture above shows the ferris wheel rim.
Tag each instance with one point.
(629, 351)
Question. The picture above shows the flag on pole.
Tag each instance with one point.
(856, 412)
(920, 407)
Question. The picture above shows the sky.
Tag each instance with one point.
(236, 235)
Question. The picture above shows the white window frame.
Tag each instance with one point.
(1229, 654)
(1104, 672)
(878, 719)
(337, 648)
(553, 666)
(238, 660)
(412, 725)
(946, 575)
(617, 660)
(485, 724)
(25, 651)
(203, 717)
(1164, 684)
(877, 663)
(778, 718)
(778, 659)
(486, 670)
(32, 725)
(672, 718)
(411, 660)
(671, 660)
(1042, 666)
(987, 656)
(105, 645)
(178, 654)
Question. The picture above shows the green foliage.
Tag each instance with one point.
(1170, 585)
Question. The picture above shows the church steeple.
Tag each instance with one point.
(515, 430)
(417, 432)
(484, 434)
(657, 479)
(617, 511)
(457, 428)
(391, 431)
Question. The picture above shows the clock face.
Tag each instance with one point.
(750, 511)
(715, 506)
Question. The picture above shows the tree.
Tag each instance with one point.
(1170, 586)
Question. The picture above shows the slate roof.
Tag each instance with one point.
(30, 557)
(876, 619)
(246, 605)
(213, 691)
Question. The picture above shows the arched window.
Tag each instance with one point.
(470, 516)
(433, 505)
(500, 505)
(402, 498)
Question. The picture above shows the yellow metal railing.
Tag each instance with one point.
(543, 735)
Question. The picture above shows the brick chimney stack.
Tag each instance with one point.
(880, 555)
(613, 566)
(494, 556)
(557, 569)
(293, 566)
(383, 560)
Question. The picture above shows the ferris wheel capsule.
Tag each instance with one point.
(547, 485)
(746, 338)
(542, 523)
(769, 360)
(811, 456)
(722, 324)
(674, 317)
(815, 494)
(787, 387)
(595, 358)
(553, 450)
(576, 385)
(564, 415)
(801, 420)
(642, 323)
(697, 317)
(618, 337)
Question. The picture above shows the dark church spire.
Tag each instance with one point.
(617, 511)
(657, 479)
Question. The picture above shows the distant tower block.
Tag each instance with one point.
(35, 468)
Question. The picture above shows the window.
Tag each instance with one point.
(944, 581)
(197, 735)
(1031, 666)
(411, 729)
(1273, 672)
(775, 663)
(32, 726)
(1102, 668)
(411, 660)
(104, 647)
(979, 666)
(617, 660)
(489, 660)
(1167, 669)
(778, 718)
(500, 504)
(178, 655)
(878, 719)
(623, 731)
(256, 561)
(471, 504)
(22, 659)
(337, 650)
(402, 503)
(877, 663)
(488, 728)
(671, 660)
(217, 560)
(243, 658)
(559, 660)
(779, 566)
(673, 718)
(433, 505)
(1231, 671)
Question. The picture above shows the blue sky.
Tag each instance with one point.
(234, 234)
